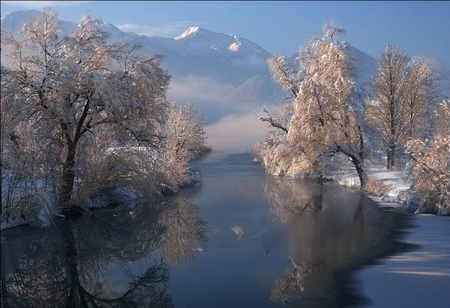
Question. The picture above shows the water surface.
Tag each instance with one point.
(241, 239)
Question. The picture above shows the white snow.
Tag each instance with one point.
(399, 190)
(234, 46)
(395, 179)
(189, 32)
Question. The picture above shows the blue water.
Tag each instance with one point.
(241, 239)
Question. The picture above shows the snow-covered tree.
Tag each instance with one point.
(323, 122)
(400, 94)
(431, 165)
(276, 154)
(420, 96)
(385, 106)
(284, 75)
(81, 95)
(185, 140)
(25, 157)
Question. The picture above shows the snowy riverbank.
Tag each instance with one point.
(398, 187)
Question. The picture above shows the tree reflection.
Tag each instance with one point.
(291, 197)
(328, 230)
(114, 258)
(293, 280)
(183, 230)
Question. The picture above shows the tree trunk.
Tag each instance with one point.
(390, 156)
(358, 162)
(362, 175)
(388, 159)
(68, 174)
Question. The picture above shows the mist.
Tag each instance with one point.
(232, 127)
(236, 133)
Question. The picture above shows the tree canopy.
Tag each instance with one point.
(86, 114)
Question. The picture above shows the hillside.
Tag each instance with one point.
(224, 76)
(218, 70)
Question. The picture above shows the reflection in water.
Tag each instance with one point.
(292, 282)
(290, 198)
(113, 258)
(122, 257)
(328, 230)
(237, 230)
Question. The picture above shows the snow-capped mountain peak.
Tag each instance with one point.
(196, 34)
(202, 42)
(191, 31)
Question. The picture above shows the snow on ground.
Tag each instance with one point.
(399, 186)
(393, 178)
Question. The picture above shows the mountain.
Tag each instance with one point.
(207, 68)
(224, 76)
(365, 64)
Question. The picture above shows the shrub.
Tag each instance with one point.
(376, 187)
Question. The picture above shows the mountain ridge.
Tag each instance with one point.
(235, 67)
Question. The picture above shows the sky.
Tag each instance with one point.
(421, 28)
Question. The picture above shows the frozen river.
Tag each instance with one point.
(241, 239)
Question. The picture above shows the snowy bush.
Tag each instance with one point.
(185, 140)
(36, 208)
(376, 187)
(431, 166)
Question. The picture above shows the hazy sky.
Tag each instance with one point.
(419, 27)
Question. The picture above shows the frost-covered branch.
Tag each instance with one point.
(271, 121)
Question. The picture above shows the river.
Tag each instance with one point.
(240, 239)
